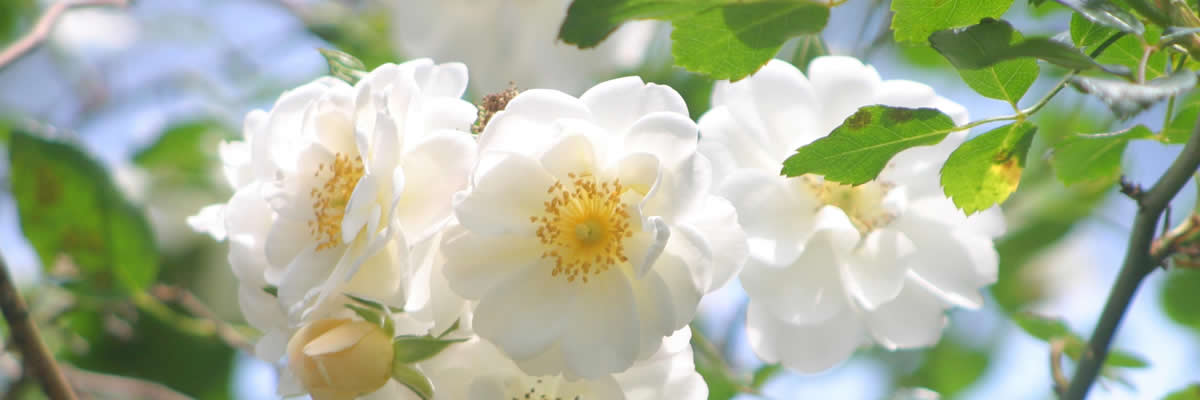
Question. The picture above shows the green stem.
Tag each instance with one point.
(1138, 264)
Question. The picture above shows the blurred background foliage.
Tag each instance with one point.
(142, 94)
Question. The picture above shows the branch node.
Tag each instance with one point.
(1133, 190)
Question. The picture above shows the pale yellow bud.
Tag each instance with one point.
(339, 359)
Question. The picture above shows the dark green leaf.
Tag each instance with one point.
(1104, 13)
(809, 46)
(733, 41)
(413, 379)
(1188, 393)
(69, 206)
(1128, 99)
(985, 170)
(588, 22)
(1178, 298)
(857, 150)
(1094, 157)
(411, 349)
(991, 41)
(1041, 327)
(372, 304)
(271, 290)
(915, 20)
(344, 66)
(1086, 33)
(1181, 126)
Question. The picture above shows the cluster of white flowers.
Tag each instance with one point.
(566, 248)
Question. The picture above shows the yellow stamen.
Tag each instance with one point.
(584, 226)
(330, 199)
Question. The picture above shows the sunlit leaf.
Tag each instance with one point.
(1127, 52)
(1041, 327)
(1186, 114)
(733, 41)
(1107, 14)
(1188, 393)
(1006, 80)
(183, 153)
(70, 207)
(1093, 157)
(948, 369)
(1087, 34)
(858, 149)
(764, 374)
(1178, 298)
(915, 20)
(1128, 99)
(985, 170)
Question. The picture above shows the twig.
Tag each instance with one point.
(1138, 263)
(1133, 190)
(1057, 346)
(35, 355)
(43, 26)
(193, 305)
(119, 386)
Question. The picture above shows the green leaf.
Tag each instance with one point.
(1188, 393)
(183, 153)
(1095, 157)
(1041, 327)
(1086, 33)
(1123, 359)
(1178, 298)
(733, 41)
(383, 320)
(413, 379)
(1006, 80)
(1127, 52)
(991, 41)
(372, 304)
(1186, 114)
(271, 290)
(1127, 99)
(764, 374)
(915, 20)
(589, 22)
(344, 66)
(411, 349)
(858, 149)
(69, 206)
(1107, 14)
(809, 46)
(985, 170)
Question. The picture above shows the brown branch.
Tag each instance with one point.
(1057, 346)
(44, 24)
(114, 386)
(225, 331)
(34, 354)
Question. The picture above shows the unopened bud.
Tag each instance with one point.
(340, 359)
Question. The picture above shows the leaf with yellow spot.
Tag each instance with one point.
(987, 169)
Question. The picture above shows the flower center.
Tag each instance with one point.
(584, 226)
(329, 200)
(863, 204)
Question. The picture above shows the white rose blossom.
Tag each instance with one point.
(505, 41)
(477, 370)
(834, 266)
(340, 189)
(589, 233)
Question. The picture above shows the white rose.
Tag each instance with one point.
(589, 233)
(833, 266)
